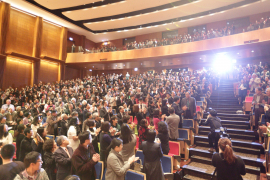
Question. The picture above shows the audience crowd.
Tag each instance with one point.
(84, 113)
(197, 35)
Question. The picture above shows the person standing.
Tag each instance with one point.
(190, 103)
(258, 107)
(26, 144)
(228, 166)
(84, 158)
(173, 121)
(52, 122)
(177, 109)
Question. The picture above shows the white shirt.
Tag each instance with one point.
(7, 140)
(71, 133)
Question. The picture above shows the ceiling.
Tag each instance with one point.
(104, 20)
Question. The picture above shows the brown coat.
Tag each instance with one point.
(82, 164)
(260, 102)
(51, 121)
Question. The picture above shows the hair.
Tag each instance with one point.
(72, 122)
(48, 145)
(156, 112)
(226, 146)
(164, 102)
(31, 157)
(60, 140)
(72, 177)
(88, 114)
(151, 135)
(113, 118)
(74, 113)
(105, 126)
(2, 133)
(7, 151)
(90, 123)
(84, 136)
(115, 142)
(126, 118)
(26, 130)
(143, 123)
(136, 108)
(20, 128)
(40, 132)
(26, 114)
(171, 110)
(162, 127)
(35, 120)
(176, 98)
(126, 133)
(259, 88)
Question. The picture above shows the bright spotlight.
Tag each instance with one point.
(234, 61)
(222, 63)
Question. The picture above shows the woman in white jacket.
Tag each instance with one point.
(5, 136)
(73, 132)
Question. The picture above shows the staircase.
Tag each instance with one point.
(226, 105)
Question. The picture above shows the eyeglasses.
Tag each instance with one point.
(40, 161)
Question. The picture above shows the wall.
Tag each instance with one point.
(18, 73)
(20, 33)
(48, 71)
(72, 73)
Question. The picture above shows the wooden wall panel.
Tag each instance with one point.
(156, 35)
(51, 38)
(48, 71)
(71, 73)
(4, 23)
(17, 73)
(89, 44)
(20, 34)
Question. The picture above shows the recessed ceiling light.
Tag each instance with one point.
(252, 51)
(93, 66)
(200, 58)
(124, 65)
(237, 53)
(159, 62)
(115, 65)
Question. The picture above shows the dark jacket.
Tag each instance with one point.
(104, 114)
(64, 127)
(50, 165)
(226, 171)
(25, 148)
(164, 139)
(63, 162)
(19, 139)
(82, 164)
(179, 112)
(152, 163)
(213, 122)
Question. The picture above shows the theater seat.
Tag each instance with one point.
(248, 103)
(131, 119)
(189, 125)
(134, 175)
(137, 143)
(174, 148)
(140, 154)
(184, 142)
(135, 120)
(99, 170)
(167, 165)
(50, 136)
(104, 173)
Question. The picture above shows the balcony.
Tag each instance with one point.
(242, 40)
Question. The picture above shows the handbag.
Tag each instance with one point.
(138, 166)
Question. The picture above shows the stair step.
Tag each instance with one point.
(235, 148)
(244, 144)
(199, 170)
(190, 177)
(208, 161)
(226, 122)
(230, 130)
(236, 137)
(249, 159)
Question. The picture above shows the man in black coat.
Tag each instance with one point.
(120, 115)
(119, 102)
(63, 157)
(214, 123)
(26, 144)
(178, 110)
(104, 113)
(64, 125)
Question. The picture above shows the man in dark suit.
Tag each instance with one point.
(120, 101)
(130, 104)
(84, 158)
(26, 144)
(52, 122)
(64, 125)
(258, 107)
(177, 109)
(104, 113)
(121, 114)
(36, 110)
(190, 103)
(63, 157)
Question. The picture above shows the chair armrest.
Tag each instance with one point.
(185, 140)
(169, 176)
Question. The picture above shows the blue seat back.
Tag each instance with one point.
(166, 163)
(251, 94)
(183, 133)
(104, 173)
(199, 103)
(140, 154)
(202, 99)
(50, 136)
(133, 176)
(263, 120)
(187, 123)
(114, 112)
(56, 139)
(99, 167)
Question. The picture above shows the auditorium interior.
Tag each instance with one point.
(95, 50)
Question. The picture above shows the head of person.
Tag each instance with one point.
(3, 131)
(49, 145)
(20, 128)
(116, 144)
(3, 119)
(171, 110)
(72, 177)
(126, 119)
(28, 132)
(42, 132)
(162, 127)
(268, 91)
(213, 113)
(156, 112)
(85, 138)
(7, 151)
(74, 114)
(36, 121)
(95, 116)
(62, 141)
(114, 120)
(136, 108)
(258, 90)
(121, 109)
(105, 126)
(126, 133)
(27, 114)
(164, 102)
(225, 145)
(151, 135)
(88, 115)
(73, 121)
(8, 101)
(176, 99)
(187, 94)
(33, 161)
(144, 123)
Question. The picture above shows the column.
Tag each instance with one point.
(63, 45)
(4, 25)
